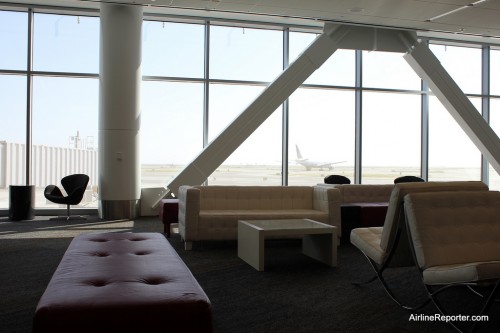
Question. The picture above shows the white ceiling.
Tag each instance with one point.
(482, 18)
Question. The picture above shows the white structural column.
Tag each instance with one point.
(119, 112)
(260, 109)
(428, 67)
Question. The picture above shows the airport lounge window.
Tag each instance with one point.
(321, 135)
(172, 123)
(61, 150)
(245, 54)
(338, 70)
(12, 134)
(388, 70)
(494, 180)
(390, 136)
(14, 33)
(258, 160)
(452, 155)
(13, 56)
(66, 43)
(172, 49)
(463, 64)
(494, 72)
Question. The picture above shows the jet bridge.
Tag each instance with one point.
(334, 37)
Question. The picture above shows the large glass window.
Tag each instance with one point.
(13, 40)
(388, 70)
(321, 131)
(452, 155)
(495, 72)
(245, 54)
(12, 134)
(64, 43)
(463, 64)
(391, 137)
(258, 160)
(62, 150)
(337, 70)
(321, 135)
(172, 49)
(495, 125)
(171, 129)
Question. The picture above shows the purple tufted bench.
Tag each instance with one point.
(122, 282)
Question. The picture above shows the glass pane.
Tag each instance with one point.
(12, 134)
(338, 70)
(258, 160)
(321, 137)
(65, 127)
(495, 72)
(173, 49)
(171, 129)
(495, 125)
(245, 54)
(463, 64)
(452, 155)
(391, 137)
(388, 70)
(13, 40)
(65, 43)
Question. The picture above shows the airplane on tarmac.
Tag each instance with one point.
(309, 164)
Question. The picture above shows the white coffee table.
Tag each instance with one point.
(319, 240)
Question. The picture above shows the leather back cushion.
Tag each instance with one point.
(396, 203)
(256, 197)
(365, 193)
(454, 227)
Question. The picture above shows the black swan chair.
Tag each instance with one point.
(74, 185)
(337, 179)
(408, 179)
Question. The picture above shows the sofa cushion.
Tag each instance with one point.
(255, 197)
(459, 273)
(368, 241)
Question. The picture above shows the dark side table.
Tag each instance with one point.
(169, 211)
(21, 202)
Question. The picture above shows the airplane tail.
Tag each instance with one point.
(299, 155)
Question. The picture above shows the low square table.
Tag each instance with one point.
(319, 240)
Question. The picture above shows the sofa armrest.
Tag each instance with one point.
(189, 211)
(328, 200)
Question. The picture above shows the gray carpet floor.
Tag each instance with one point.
(294, 294)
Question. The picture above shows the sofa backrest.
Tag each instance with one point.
(357, 193)
(465, 223)
(365, 192)
(394, 218)
(255, 197)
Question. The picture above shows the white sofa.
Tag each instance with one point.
(212, 212)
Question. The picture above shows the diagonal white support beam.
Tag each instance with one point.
(213, 155)
(428, 67)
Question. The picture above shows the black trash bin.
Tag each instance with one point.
(21, 202)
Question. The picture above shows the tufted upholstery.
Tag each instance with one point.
(456, 235)
(212, 212)
(122, 282)
(387, 234)
(361, 193)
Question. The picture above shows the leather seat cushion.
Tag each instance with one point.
(122, 282)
